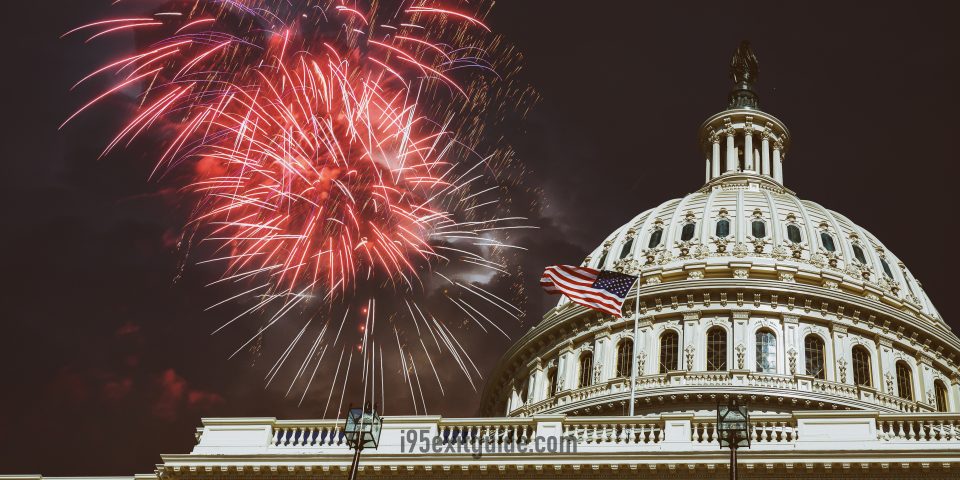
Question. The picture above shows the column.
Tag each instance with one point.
(765, 154)
(568, 368)
(514, 401)
(777, 166)
(715, 159)
(537, 379)
(731, 151)
(839, 334)
(647, 361)
(792, 342)
(954, 393)
(691, 339)
(707, 179)
(885, 367)
(925, 380)
(748, 148)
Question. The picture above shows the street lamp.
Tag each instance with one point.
(733, 431)
(362, 430)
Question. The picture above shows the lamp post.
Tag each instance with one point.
(733, 431)
(362, 430)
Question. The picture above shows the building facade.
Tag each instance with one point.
(746, 292)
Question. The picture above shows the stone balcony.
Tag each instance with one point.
(808, 441)
(800, 392)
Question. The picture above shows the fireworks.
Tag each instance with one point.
(326, 150)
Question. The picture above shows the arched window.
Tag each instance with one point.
(858, 252)
(687, 232)
(815, 359)
(861, 366)
(716, 349)
(624, 353)
(669, 343)
(758, 228)
(586, 370)
(552, 382)
(525, 390)
(627, 248)
(603, 259)
(904, 381)
(940, 391)
(793, 233)
(827, 240)
(723, 228)
(766, 351)
(886, 268)
(655, 238)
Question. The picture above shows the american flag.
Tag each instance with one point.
(597, 289)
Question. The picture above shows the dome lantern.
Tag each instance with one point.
(744, 144)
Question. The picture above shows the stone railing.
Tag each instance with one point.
(662, 383)
(815, 430)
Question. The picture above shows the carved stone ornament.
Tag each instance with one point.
(740, 250)
(758, 243)
(741, 356)
(701, 251)
(842, 366)
(721, 243)
(741, 273)
(831, 285)
(818, 260)
(653, 280)
(695, 275)
(787, 277)
(665, 257)
(627, 265)
(597, 372)
(781, 252)
(690, 350)
(641, 361)
(560, 384)
(931, 399)
(888, 378)
(796, 250)
(833, 258)
(792, 356)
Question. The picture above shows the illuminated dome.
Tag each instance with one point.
(746, 291)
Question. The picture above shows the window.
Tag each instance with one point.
(861, 366)
(723, 228)
(827, 240)
(858, 252)
(813, 353)
(552, 382)
(525, 390)
(886, 268)
(603, 259)
(586, 369)
(669, 343)
(904, 381)
(716, 349)
(766, 351)
(759, 229)
(940, 391)
(624, 354)
(627, 248)
(687, 232)
(793, 233)
(655, 238)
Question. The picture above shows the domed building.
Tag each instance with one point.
(746, 291)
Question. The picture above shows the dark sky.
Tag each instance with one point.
(106, 362)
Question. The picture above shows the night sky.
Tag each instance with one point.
(106, 360)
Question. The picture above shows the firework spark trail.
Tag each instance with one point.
(328, 148)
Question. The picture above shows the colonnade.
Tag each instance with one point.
(766, 160)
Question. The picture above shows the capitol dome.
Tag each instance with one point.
(746, 291)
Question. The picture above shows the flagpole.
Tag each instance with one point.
(636, 342)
